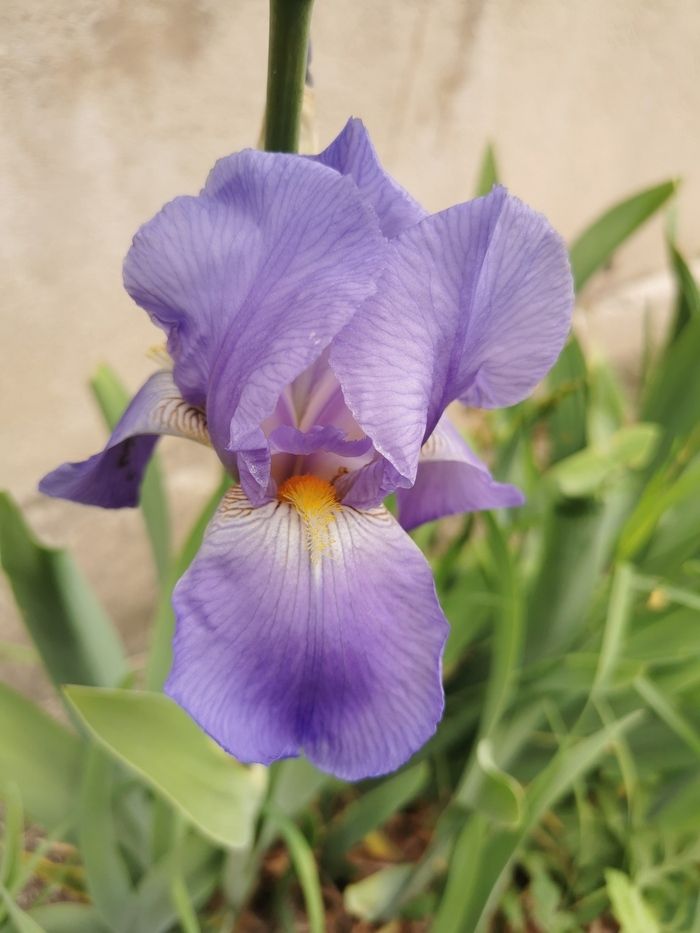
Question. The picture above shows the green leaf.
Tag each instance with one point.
(578, 537)
(463, 876)
(619, 612)
(606, 409)
(662, 493)
(113, 398)
(586, 472)
(68, 918)
(594, 247)
(568, 387)
(13, 834)
(508, 636)
(571, 763)
(296, 782)
(21, 921)
(185, 911)
(305, 867)
(488, 172)
(367, 898)
(679, 809)
(373, 809)
(74, 637)
(688, 294)
(153, 736)
(490, 872)
(182, 902)
(41, 757)
(293, 784)
(666, 710)
(671, 394)
(160, 654)
(107, 878)
(495, 793)
(505, 652)
(628, 905)
(152, 908)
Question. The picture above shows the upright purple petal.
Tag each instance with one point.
(113, 477)
(475, 304)
(451, 479)
(252, 279)
(284, 647)
(352, 153)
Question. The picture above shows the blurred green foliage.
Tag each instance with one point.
(563, 785)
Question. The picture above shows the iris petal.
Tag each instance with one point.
(280, 651)
(352, 153)
(252, 279)
(113, 477)
(451, 479)
(475, 304)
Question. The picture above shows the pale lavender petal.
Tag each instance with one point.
(324, 253)
(475, 304)
(252, 279)
(451, 479)
(352, 153)
(337, 656)
(368, 486)
(290, 440)
(113, 477)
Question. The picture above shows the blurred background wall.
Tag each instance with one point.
(112, 107)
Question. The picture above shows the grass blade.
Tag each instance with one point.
(305, 867)
(594, 247)
(75, 638)
(372, 809)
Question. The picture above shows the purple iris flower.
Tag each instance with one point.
(320, 322)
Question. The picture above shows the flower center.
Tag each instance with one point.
(316, 503)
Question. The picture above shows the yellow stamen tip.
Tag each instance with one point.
(316, 503)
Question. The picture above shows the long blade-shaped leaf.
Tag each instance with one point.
(13, 833)
(21, 921)
(373, 809)
(628, 905)
(41, 757)
(107, 878)
(160, 655)
(76, 640)
(594, 247)
(488, 172)
(491, 862)
(688, 293)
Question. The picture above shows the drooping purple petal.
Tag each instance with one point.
(251, 280)
(475, 304)
(279, 652)
(451, 479)
(368, 486)
(113, 477)
(352, 153)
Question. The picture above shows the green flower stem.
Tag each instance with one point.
(286, 70)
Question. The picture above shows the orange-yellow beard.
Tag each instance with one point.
(316, 503)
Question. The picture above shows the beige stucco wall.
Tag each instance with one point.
(111, 107)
